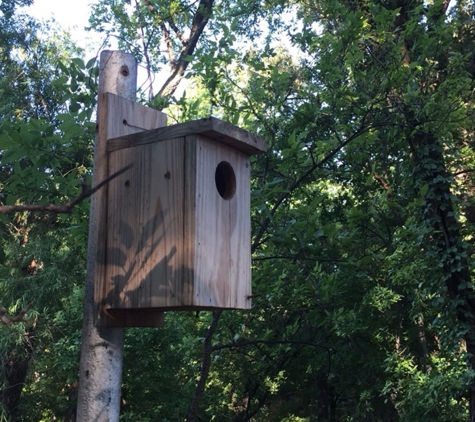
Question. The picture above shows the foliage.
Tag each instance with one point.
(145, 27)
(45, 141)
(349, 206)
(362, 213)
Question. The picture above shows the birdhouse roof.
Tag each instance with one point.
(210, 127)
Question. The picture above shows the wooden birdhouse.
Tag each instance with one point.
(178, 229)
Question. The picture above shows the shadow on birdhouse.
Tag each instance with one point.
(178, 223)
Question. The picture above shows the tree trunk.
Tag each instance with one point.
(102, 347)
(193, 409)
(446, 236)
(15, 368)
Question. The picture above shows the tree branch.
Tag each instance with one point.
(244, 343)
(68, 206)
(265, 223)
(192, 414)
(177, 31)
(18, 317)
(168, 19)
(201, 18)
(168, 42)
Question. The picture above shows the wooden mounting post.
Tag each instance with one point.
(102, 347)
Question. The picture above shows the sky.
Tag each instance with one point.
(71, 15)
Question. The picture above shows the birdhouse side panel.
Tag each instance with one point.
(222, 258)
(145, 227)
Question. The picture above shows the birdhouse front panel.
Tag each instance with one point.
(218, 223)
(178, 227)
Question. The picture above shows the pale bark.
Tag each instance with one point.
(102, 347)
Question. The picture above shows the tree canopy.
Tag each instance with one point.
(362, 210)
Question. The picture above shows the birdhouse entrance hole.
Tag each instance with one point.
(225, 180)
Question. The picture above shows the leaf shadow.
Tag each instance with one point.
(144, 273)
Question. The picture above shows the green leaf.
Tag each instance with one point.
(424, 189)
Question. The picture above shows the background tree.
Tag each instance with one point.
(157, 33)
(362, 215)
(347, 210)
(45, 139)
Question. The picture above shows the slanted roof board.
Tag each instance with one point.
(211, 127)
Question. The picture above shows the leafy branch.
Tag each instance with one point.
(244, 343)
(264, 225)
(188, 44)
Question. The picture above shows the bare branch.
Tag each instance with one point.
(178, 33)
(168, 42)
(18, 317)
(68, 206)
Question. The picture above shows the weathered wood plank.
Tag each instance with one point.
(119, 116)
(178, 228)
(222, 232)
(174, 241)
(126, 117)
(211, 127)
(100, 368)
(145, 227)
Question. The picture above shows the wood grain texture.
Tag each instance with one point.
(222, 232)
(145, 227)
(173, 241)
(118, 117)
(211, 127)
(125, 117)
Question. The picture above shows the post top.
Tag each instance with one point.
(118, 74)
(210, 127)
